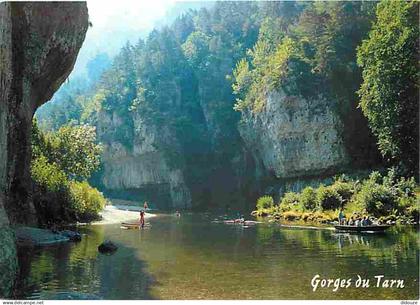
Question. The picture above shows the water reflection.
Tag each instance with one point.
(57, 271)
(192, 258)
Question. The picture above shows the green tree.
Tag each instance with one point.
(196, 48)
(76, 151)
(73, 149)
(59, 159)
(389, 92)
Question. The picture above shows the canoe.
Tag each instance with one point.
(132, 225)
(373, 228)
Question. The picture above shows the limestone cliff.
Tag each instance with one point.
(39, 43)
(158, 158)
(293, 138)
(142, 169)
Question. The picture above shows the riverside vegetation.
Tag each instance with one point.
(62, 162)
(382, 196)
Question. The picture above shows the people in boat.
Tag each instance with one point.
(145, 206)
(341, 217)
(351, 221)
(142, 218)
(366, 221)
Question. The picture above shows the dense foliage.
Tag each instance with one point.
(265, 202)
(381, 196)
(313, 54)
(86, 201)
(390, 90)
(72, 149)
(59, 160)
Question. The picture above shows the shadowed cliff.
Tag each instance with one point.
(39, 43)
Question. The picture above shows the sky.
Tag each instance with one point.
(137, 14)
(115, 22)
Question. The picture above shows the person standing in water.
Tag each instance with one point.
(142, 218)
(341, 217)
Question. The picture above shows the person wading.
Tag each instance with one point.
(142, 218)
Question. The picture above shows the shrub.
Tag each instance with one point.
(376, 199)
(265, 202)
(48, 176)
(375, 176)
(344, 189)
(320, 217)
(308, 198)
(387, 195)
(414, 212)
(408, 204)
(406, 187)
(328, 198)
(50, 191)
(58, 199)
(86, 201)
(354, 207)
(290, 201)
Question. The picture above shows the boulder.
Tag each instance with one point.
(73, 236)
(107, 247)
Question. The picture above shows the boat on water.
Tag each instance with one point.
(133, 225)
(372, 228)
(237, 221)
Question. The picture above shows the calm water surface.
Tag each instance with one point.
(192, 258)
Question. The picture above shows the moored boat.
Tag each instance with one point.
(372, 228)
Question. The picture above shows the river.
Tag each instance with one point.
(190, 257)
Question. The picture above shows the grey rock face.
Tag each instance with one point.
(294, 137)
(143, 167)
(44, 40)
(39, 43)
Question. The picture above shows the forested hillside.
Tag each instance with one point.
(246, 98)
